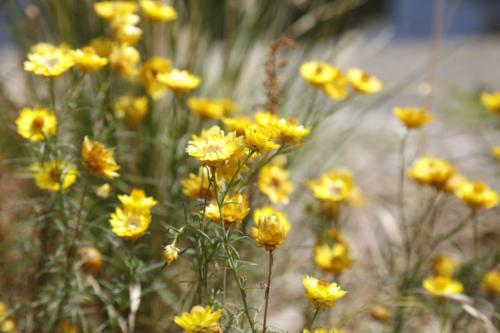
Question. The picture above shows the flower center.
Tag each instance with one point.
(55, 174)
(38, 123)
(133, 223)
(51, 62)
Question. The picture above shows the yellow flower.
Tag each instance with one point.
(157, 11)
(431, 171)
(234, 210)
(6, 325)
(109, 10)
(49, 61)
(179, 81)
(274, 183)
(137, 201)
(318, 73)
(90, 258)
(36, 124)
(266, 119)
(103, 191)
(442, 286)
(321, 293)
(129, 225)
(413, 117)
(197, 185)
(132, 109)
(200, 320)
(235, 165)
(54, 176)
(229, 106)
(88, 60)
(213, 146)
(363, 82)
(453, 183)
(443, 266)
(124, 29)
(123, 59)
(334, 259)
(333, 186)
(496, 152)
(98, 159)
(271, 227)
(477, 195)
(380, 313)
(237, 124)
(290, 131)
(102, 46)
(337, 88)
(491, 282)
(323, 330)
(491, 101)
(170, 253)
(206, 108)
(147, 76)
(260, 138)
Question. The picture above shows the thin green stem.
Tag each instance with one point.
(268, 289)
(313, 319)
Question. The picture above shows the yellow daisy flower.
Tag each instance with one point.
(157, 11)
(413, 117)
(321, 293)
(124, 29)
(477, 195)
(260, 138)
(290, 131)
(49, 61)
(179, 81)
(123, 59)
(443, 266)
(200, 320)
(197, 185)
(431, 171)
(271, 227)
(334, 259)
(54, 176)
(137, 201)
(213, 146)
(36, 124)
(491, 101)
(318, 73)
(231, 168)
(90, 259)
(129, 225)
(98, 159)
(491, 282)
(453, 183)
(363, 82)
(88, 60)
(234, 210)
(442, 286)
(337, 89)
(170, 254)
(333, 186)
(274, 183)
(206, 108)
(131, 109)
(147, 76)
(237, 124)
(109, 10)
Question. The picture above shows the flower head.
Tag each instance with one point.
(477, 195)
(88, 60)
(90, 258)
(109, 10)
(431, 171)
(443, 266)
(200, 320)
(363, 82)
(49, 61)
(261, 138)
(413, 117)
(290, 131)
(237, 124)
(454, 182)
(124, 29)
(491, 101)
(197, 185)
(318, 73)
(179, 81)
(36, 124)
(333, 259)
(123, 59)
(491, 282)
(213, 146)
(333, 186)
(274, 182)
(337, 89)
(132, 109)
(137, 201)
(321, 293)
(442, 286)
(157, 11)
(7, 325)
(170, 253)
(234, 210)
(102, 46)
(206, 108)
(147, 76)
(98, 159)
(271, 227)
(496, 152)
(54, 176)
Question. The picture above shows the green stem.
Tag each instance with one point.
(268, 289)
(315, 315)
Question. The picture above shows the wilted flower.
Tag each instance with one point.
(156, 10)
(333, 259)
(491, 101)
(98, 159)
(213, 146)
(477, 195)
(332, 186)
(90, 258)
(413, 117)
(271, 227)
(380, 313)
(363, 82)
(442, 286)
(170, 253)
(234, 210)
(147, 76)
(443, 266)
(431, 171)
(88, 60)
(132, 109)
(491, 282)
(321, 293)
(49, 61)
(54, 176)
(200, 320)
(179, 81)
(36, 124)
(123, 59)
(274, 183)
(318, 73)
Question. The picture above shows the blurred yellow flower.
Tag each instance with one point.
(36, 124)
(124, 29)
(147, 76)
(453, 183)
(179, 81)
(98, 159)
(380, 313)
(88, 60)
(6, 325)
(274, 182)
(197, 185)
(90, 259)
(337, 89)
(170, 254)
(491, 282)
(156, 10)
(332, 186)
(290, 131)
(234, 210)
(206, 108)
(129, 225)
(477, 195)
(333, 259)
(431, 171)
(109, 10)
(323, 330)
(443, 266)
(363, 82)
(200, 320)
(213, 146)
(496, 152)
(49, 61)
(131, 109)
(103, 191)
(54, 176)
(137, 201)
(321, 293)
(442, 286)
(123, 59)
(271, 227)
(491, 101)
(229, 169)
(237, 124)
(102, 46)
(413, 117)
(260, 138)
(318, 73)
(266, 119)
